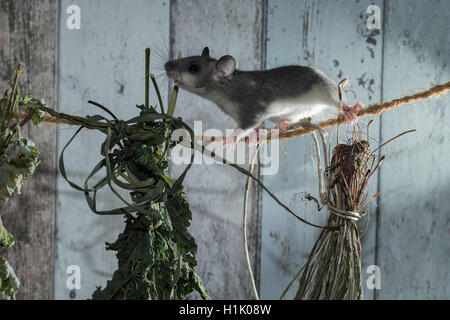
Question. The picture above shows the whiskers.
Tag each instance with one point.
(159, 55)
(160, 52)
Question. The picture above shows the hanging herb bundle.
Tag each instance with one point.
(333, 268)
(156, 252)
(18, 154)
(18, 161)
(9, 283)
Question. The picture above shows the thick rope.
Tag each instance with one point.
(372, 110)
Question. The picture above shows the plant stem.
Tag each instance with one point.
(147, 78)
(158, 93)
(173, 101)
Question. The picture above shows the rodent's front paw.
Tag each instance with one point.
(230, 141)
(282, 126)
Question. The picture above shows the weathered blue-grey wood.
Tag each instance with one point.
(102, 61)
(414, 243)
(28, 34)
(333, 36)
(215, 192)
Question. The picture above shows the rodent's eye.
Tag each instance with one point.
(194, 68)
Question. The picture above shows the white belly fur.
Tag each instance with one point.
(315, 104)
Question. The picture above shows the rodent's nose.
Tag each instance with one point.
(172, 69)
(170, 66)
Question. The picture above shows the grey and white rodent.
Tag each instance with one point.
(283, 95)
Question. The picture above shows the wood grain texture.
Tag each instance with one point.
(215, 192)
(414, 242)
(28, 33)
(333, 36)
(102, 61)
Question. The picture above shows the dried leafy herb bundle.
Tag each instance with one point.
(156, 252)
(18, 160)
(18, 154)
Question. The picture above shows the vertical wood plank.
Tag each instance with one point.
(333, 36)
(102, 61)
(414, 246)
(215, 192)
(28, 33)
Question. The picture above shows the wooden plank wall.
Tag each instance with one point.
(227, 27)
(28, 34)
(103, 61)
(330, 35)
(413, 229)
(408, 234)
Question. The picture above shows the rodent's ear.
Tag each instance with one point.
(205, 52)
(225, 67)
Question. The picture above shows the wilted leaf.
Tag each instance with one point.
(6, 239)
(14, 172)
(9, 284)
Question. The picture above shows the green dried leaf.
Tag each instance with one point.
(9, 284)
(14, 172)
(148, 266)
(33, 105)
(6, 239)
(180, 216)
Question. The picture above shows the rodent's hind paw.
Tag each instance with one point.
(229, 143)
(350, 112)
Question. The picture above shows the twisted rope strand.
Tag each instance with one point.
(371, 110)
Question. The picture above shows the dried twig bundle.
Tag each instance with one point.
(333, 269)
